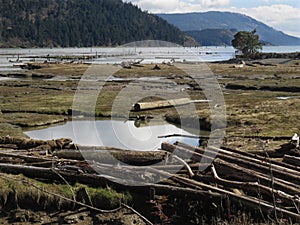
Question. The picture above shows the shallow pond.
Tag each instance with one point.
(133, 135)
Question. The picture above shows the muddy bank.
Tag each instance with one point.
(294, 55)
(231, 86)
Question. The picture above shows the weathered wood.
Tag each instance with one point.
(247, 201)
(264, 158)
(231, 170)
(26, 143)
(164, 103)
(160, 104)
(222, 153)
(292, 160)
(232, 164)
(191, 174)
(103, 181)
(256, 188)
(262, 166)
(26, 158)
(137, 158)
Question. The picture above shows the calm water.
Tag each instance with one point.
(126, 135)
(10, 58)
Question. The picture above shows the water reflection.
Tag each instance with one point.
(118, 134)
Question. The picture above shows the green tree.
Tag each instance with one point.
(247, 42)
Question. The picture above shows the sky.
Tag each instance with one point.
(283, 15)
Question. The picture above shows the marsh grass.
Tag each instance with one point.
(244, 107)
(15, 191)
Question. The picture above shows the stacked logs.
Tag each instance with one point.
(253, 182)
(256, 182)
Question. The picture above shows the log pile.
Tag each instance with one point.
(273, 187)
(253, 182)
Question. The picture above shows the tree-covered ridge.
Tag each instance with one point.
(70, 23)
(213, 37)
(227, 21)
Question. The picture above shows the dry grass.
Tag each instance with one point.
(244, 108)
(16, 191)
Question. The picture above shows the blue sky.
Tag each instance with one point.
(256, 3)
(282, 15)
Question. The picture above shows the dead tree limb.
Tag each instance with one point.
(255, 187)
(245, 161)
(251, 202)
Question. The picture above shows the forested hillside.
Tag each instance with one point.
(213, 24)
(70, 23)
(213, 37)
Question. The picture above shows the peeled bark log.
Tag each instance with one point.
(160, 104)
(164, 103)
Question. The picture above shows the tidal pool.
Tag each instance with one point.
(132, 135)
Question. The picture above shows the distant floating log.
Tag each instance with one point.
(165, 103)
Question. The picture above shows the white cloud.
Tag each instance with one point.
(212, 3)
(179, 6)
(279, 16)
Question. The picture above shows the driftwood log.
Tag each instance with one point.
(256, 182)
(233, 169)
(138, 158)
(264, 206)
(262, 166)
(31, 144)
(164, 103)
(293, 160)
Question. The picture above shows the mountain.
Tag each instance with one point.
(213, 37)
(192, 23)
(78, 23)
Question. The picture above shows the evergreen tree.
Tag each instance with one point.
(70, 23)
(247, 42)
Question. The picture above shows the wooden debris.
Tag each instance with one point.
(255, 182)
(293, 160)
(142, 158)
(31, 144)
(139, 106)
(244, 177)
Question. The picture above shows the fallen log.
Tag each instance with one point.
(174, 169)
(235, 171)
(28, 144)
(262, 166)
(26, 158)
(139, 106)
(103, 180)
(250, 202)
(259, 157)
(239, 166)
(257, 189)
(293, 160)
(137, 158)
